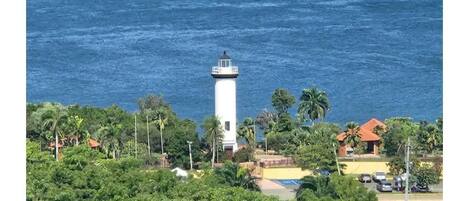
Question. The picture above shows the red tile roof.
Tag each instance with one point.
(52, 145)
(93, 143)
(366, 131)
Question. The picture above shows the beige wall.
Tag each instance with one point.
(284, 173)
(360, 167)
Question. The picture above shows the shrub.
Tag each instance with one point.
(244, 155)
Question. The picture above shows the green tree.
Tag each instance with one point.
(75, 130)
(234, 175)
(266, 121)
(282, 100)
(177, 148)
(333, 188)
(397, 131)
(352, 134)
(213, 133)
(425, 175)
(247, 131)
(109, 137)
(397, 165)
(314, 104)
(316, 156)
(161, 121)
(429, 137)
(318, 148)
(53, 117)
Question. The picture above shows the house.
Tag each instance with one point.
(367, 135)
(92, 143)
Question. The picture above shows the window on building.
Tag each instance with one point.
(227, 125)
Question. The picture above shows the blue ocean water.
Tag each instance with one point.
(374, 58)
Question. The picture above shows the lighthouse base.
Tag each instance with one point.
(230, 149)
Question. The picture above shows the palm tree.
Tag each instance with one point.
(161, 121)
(247, 131)
(236, 176)
(314, 104)
(266, 121)
(109, 137)
(75, 129)
(213, 133)
(352, 134)
(53, 116)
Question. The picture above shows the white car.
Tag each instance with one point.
(379, 176)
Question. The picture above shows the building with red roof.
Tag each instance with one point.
(92, 143)
(367, 136)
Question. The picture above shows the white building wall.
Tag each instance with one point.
(225, 108)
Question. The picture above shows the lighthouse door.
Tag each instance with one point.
(229, 152)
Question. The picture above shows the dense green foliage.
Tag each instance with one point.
(114, 128)
(213, 135)
(244, 155)
(314, 104)
(317, 147)
(86, 174)
(425, 174)
(333, 188)
(125, 165)
(282, 100)
(233, 175)
(397, 132)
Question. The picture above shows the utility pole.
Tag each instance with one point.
(336, 160)
(190, 152)
(148, 139)
(407, 170)
(135, 135)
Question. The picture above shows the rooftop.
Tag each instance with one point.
(225, 56)
(366, 131)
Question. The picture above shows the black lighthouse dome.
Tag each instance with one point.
(225, 56)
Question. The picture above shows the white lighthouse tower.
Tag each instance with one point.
(225, 100)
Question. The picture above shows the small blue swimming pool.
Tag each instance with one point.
(288, 182)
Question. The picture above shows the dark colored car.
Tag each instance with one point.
(419, 189)
(365, 178)
(323, 172)
(384, 186)
(398, 183)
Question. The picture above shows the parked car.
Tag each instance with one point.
(384, 186)
(398, 183)
(323, 172)
(420, 189)
(365, 178)
(378, 176)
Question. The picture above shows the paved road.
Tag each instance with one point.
(269, 187)
(438, 188)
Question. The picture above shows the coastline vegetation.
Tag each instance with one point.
(128, 164)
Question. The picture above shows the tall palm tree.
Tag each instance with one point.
(109, 137)
(53, 116)
(213, 133)
(247, 131)
(75, 129)
(266, 121)
(352, 134)
(314, 104)
(161, 121)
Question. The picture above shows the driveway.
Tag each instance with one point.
(271, 188)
